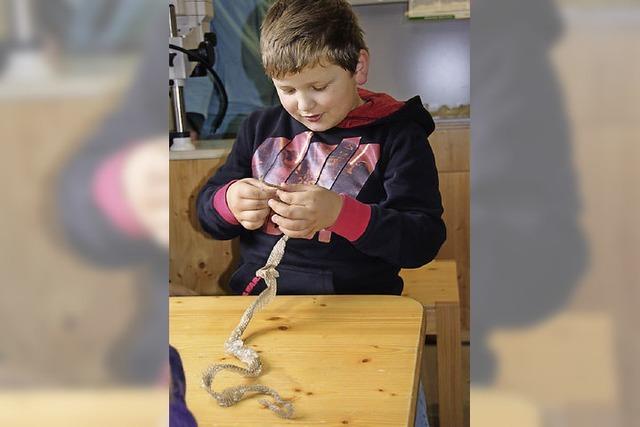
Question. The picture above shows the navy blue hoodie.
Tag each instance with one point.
(385, 170)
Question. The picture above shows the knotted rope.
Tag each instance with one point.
(235, 346)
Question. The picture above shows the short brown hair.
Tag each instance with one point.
(302, 33)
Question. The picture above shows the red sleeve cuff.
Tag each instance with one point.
(219, 203)
(353, 219)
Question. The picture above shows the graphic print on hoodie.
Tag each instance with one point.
(378, 158)
(342, 168)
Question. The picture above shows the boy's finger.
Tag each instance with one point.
(256, 193)
(285, 210)
(250, 225)
(289, 224)
(260, 185)
(247, 191)
(293, 198)
(257, 215)
(252, 204)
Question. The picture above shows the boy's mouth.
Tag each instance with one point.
(313, 118)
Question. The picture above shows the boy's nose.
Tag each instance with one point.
(305, 104)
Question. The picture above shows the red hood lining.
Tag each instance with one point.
(376, 106)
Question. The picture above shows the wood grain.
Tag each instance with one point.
(450, 146)
(454, 187)
(196, 261)
(344, 360)
(432, 283)
(450, 383)
(435, 285)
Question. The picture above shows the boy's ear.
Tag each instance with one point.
(362, 69)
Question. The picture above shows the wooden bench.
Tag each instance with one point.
(435, 286)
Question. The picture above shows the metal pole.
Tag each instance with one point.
(178, 110)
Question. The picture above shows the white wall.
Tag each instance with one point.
(416, 57)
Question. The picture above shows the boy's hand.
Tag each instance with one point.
(305, 209)
(247, 201)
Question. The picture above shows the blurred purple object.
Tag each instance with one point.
(179, 414)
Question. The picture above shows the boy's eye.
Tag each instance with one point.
(288, 91)
(319, 89)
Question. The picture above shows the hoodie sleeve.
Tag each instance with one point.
(406, 228)
(213, 213)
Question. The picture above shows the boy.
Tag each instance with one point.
(346, 173)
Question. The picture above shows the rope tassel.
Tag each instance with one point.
(235, 346)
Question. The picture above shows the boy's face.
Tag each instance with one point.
(320, 97)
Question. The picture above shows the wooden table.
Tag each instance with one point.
(344, 360)
(435, 286)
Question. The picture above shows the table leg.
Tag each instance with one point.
(449, 352)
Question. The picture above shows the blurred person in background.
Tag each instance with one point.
(521, 154)
(113, 202)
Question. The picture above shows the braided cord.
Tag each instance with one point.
(235, 346)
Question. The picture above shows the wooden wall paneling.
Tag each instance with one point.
(454, 187)
(450, 144)
(451, 148)
(196, 261)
